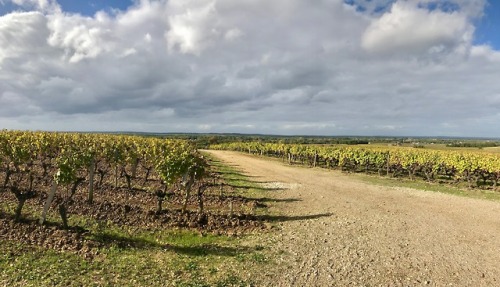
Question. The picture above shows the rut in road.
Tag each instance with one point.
(338, 231)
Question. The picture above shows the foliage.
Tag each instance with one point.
(474, 168)
(73, 157)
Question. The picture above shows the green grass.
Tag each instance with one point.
(492, 149)
(242, 184)
(144, 258)
(430, 186)
(135, 256)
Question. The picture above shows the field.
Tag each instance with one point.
(129, 234)
(99, 210)
(456, 166)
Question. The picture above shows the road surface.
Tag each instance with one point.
(339, 231)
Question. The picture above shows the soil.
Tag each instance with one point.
(334, 230)
(133, 210)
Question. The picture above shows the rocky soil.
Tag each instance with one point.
(334, 230)
(131, 210)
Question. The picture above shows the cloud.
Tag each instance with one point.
(409, 29)
(41, 5)
(79, 38)
(485, 53)
(194, 27)
(283, 66)
(22, 34)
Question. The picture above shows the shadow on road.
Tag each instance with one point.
(254, 187)
(267, 199)
(283, 218)
(229, 173)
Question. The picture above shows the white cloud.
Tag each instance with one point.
(282, 66)
(194, 27)
(233, 34)
(41, 5)
(22, 34)
(408, 29)
(79, 37)
(485, 52)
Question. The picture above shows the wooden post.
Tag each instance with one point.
(91, 182)
(48, 202)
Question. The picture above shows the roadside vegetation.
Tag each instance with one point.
(121, 237)
(453, 170)
(108, 210)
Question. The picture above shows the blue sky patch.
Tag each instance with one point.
(89, 8)
(445, 6)
(488, 27)
(6, 8)
(86, 8)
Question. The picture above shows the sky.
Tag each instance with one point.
(290, 67)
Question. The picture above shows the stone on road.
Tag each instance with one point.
(338, 231)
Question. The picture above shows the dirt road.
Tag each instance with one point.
(338, 231)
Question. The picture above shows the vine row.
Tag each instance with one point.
(477, 169)
(31, 161)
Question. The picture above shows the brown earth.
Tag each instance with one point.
(338, 231)
(132, 210)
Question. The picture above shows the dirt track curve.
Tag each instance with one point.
(338, 231)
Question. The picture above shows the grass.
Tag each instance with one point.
(240, 183)
(441, 147)
(430, 186)
(139, 256)
(459, 190)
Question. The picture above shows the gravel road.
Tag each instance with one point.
(339, 231)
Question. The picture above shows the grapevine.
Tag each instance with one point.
(474, 168)
(69, 160)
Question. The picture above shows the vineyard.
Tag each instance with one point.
(475, 169)
(122, 180)
(123, 207)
